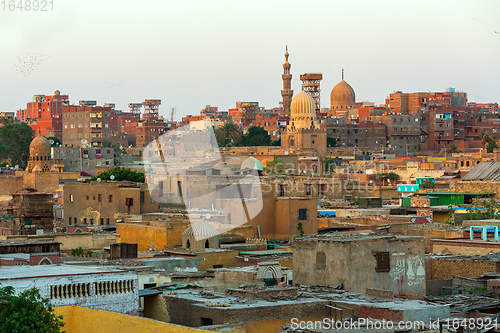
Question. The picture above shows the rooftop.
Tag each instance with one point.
(354, 237)
(23, 272)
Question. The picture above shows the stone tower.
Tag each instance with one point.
(287, 91)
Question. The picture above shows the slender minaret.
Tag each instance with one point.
(287, 91)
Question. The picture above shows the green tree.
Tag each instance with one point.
(428, 184)
(56, 143)
(15, 141)
(228, 135)
(328, 164)
(390, 176)
(276, 143)
(275, 167)
(77, 252)
(453, 148)
(28, 312)
(331, 142)
(486, 137)
(256, 136)
(492, 145)
(121, 174)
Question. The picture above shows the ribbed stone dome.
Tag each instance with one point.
(302, 104)
(201, 229)
(303, 112)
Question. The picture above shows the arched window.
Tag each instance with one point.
(292, 142)
(207, 245)
(188, 244)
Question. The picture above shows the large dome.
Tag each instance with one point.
(39, 146)
(302, 104)
(342, 97)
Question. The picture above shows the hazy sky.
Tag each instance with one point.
(193, 53)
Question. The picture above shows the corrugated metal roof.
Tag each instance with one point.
(484, 171)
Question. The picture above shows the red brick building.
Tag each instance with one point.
(44, 114)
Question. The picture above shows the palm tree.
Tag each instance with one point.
(486, 137)
(453, 148)
(228, 134)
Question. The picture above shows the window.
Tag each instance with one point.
(99, 198)
(383, 262)
(141, 197)
(206, 321)
(302, 214)
(282, 190)
(179, 187)
(71, 199)
(218, 266)
(308, 189)
(129, 201)
(110, 198)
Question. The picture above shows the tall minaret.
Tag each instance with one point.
(287, 91)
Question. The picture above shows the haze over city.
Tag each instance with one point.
(193, 53)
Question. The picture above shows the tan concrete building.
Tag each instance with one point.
(100, 203)
(303, 131)
(373, 263)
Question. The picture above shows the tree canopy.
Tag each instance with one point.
(121, 174)
(15, 141)
(391, 176)
(275, 167)
(331, 142)
(256, 136)
(27, 312)
(453, 148)
(228, 135)
(486, 137)
(56, 143)
(492, 145)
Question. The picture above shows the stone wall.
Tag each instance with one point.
(441, 268)
(10, 185)
(464, 247)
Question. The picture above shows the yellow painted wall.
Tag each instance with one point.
(224, 258)
(83, 320)
(151, 236)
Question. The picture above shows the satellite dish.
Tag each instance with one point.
(84, 141)
(98, 180)
(207, 216)
(112, 177)
(51, 142)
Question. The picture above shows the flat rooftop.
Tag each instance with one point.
(23, 272)
(353, 237)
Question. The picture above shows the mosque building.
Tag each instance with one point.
(303, 131)
(41, 174)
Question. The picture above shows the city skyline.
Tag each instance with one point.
(193, 54)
